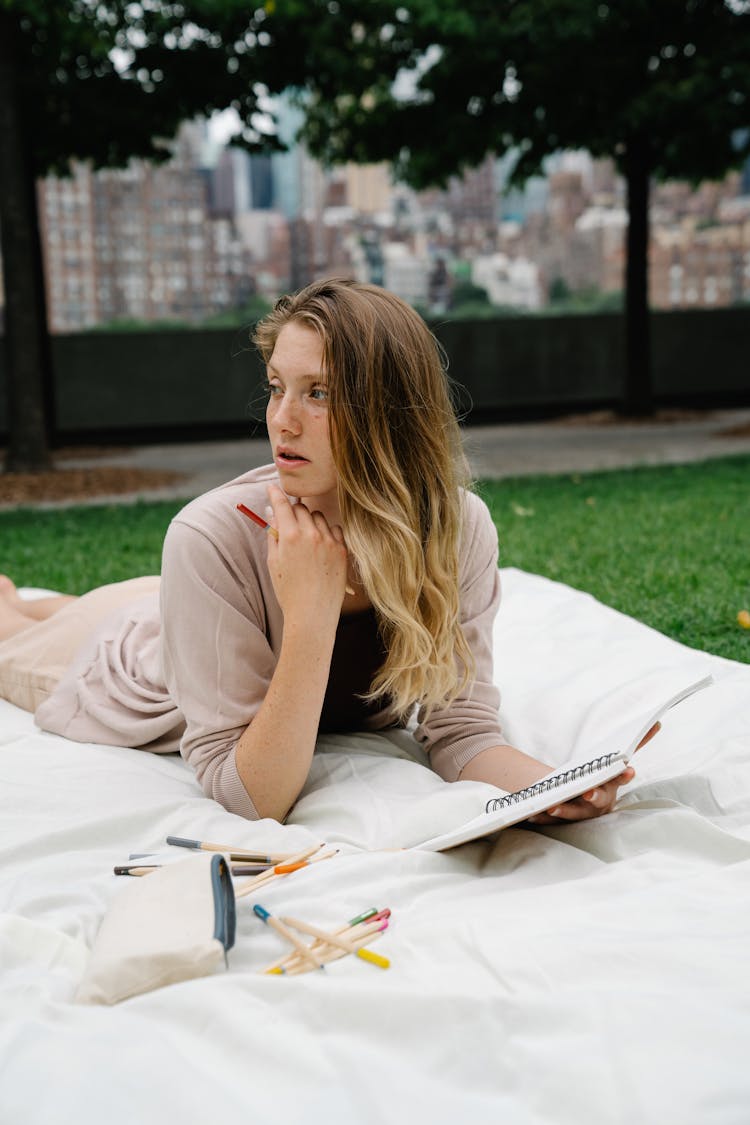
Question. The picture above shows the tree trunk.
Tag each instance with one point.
(27, 351)
(638, 396)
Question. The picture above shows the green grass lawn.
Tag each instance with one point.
(668, 545)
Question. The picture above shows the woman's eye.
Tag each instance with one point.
(320, 394)
(272, 390)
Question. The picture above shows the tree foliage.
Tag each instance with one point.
(108, 80)
(439, 83)
(661, 86)
(102, 81)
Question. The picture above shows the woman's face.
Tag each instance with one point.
(297, 415)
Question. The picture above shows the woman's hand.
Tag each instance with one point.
(596, 801)
(589, 805)
(307, 563)
(511, 770)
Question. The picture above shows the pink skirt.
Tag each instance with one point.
(92, 672)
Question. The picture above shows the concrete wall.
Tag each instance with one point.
(543, 364)
(141, 386)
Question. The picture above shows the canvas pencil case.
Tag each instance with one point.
(171, 925)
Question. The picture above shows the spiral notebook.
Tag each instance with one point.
(570, 780)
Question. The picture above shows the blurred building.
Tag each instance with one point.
(406, 272)
(700, 245)
(139, 243)
(698, 251)
(509, 282)
(699, 266)
(72, 249)
(229, 183)
(369, 188)
(200, 233)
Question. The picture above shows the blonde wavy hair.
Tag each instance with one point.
(397, 450)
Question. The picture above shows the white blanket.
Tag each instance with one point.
(594, 973)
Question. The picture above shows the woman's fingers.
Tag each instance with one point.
(283, 513)
(308, 563)
(289, 517)
(595, 802)
(605, 795)
(321, 523)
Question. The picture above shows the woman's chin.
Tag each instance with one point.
(294, 492)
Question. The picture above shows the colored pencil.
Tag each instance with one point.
(292, 964)
(251, 515)
(237, 869)
(359, 931)
(364, 932)
(336, 940)
(303, 950)
(361, 919)
(368, 922)
(266, 876)
(296, 966)
(295, 864)
(230, 851)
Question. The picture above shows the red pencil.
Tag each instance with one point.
(259, 520)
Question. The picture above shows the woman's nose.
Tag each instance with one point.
(287, 412)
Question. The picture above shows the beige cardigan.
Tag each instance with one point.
(190, 667)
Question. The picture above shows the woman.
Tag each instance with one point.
(377, 597)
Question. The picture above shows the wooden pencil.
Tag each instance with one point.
(267, 876)
(229, 850)
(364, 919)
(303, 950)
(238, 869)
(358, 936)
(304, 859)
(324, 935)
(291, 965)
(338, 941)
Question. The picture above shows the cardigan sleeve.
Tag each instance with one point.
(217, 659)
(453, 735)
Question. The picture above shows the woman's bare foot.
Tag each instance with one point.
(34, 609)
(8, 588)
(12, 618)
(9, 592)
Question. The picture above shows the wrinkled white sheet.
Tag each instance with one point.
(597, 973)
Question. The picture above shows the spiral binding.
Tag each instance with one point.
(550, 783)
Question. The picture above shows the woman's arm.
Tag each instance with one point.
(465, 740)
(222, 635)
(308, 570)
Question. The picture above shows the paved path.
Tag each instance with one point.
(561, 447)
(494, 451)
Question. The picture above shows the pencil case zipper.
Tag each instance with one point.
(225, 915)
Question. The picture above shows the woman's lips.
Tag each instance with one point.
(289, 460)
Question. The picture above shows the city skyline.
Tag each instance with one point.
(214, 226)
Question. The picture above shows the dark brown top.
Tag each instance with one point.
(358, 653)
